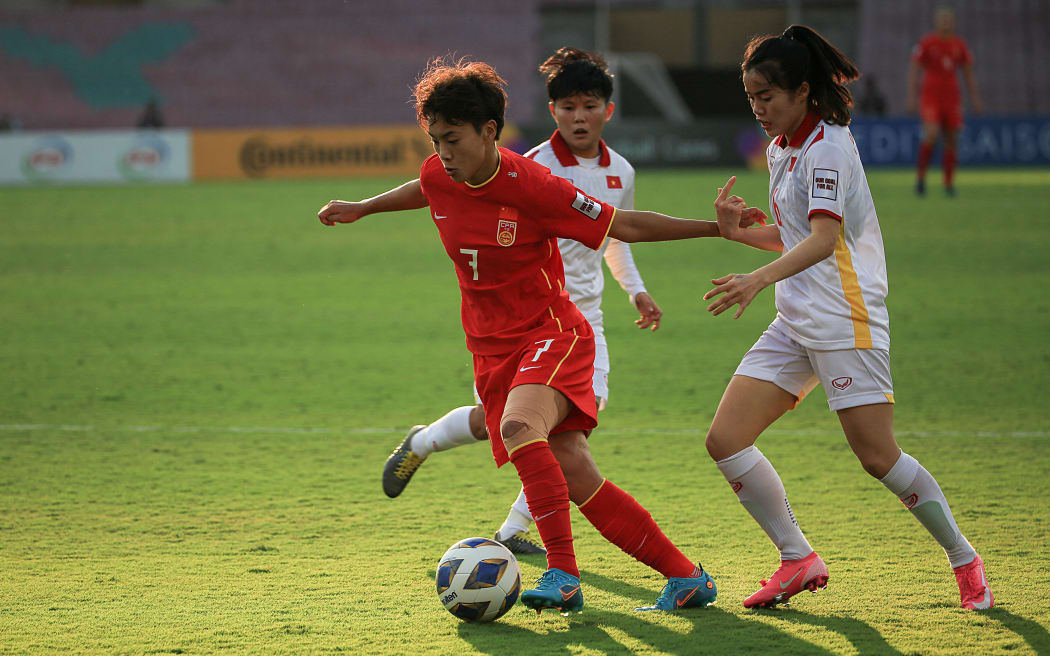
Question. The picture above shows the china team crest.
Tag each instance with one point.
(506, 232)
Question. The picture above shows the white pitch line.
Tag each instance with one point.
(375, 430)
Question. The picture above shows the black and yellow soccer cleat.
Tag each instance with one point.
(401, 464)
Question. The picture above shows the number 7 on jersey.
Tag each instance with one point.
(473, 253)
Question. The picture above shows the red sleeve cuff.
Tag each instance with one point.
(822, 211)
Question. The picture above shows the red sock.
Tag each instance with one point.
(624, 522)
(948, 162)
(548, 497)
(925, 152)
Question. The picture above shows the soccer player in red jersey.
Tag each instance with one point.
(499, 216)
(940, 55)
(579, 88)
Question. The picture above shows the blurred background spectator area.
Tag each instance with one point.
(67, 64)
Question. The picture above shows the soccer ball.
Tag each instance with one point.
(478, 580)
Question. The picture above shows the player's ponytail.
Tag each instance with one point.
(800, 55)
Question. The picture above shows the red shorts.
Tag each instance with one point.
(562, 360)
(948, 114)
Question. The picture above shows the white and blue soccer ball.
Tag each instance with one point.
(478, 580)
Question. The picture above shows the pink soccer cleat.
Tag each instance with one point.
(973, 585)
(791, 578)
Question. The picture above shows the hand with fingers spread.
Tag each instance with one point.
(341, 211)
(648, 309)
(734, 289)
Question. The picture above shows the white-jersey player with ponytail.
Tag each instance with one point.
(832, 325)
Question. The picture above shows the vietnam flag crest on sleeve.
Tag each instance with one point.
(614, 182)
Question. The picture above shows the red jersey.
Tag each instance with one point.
(502, 238)
(941, 58)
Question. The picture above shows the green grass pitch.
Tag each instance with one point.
(200, 385)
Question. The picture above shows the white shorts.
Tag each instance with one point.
(601, 371)
(601, 374)
(851, 377)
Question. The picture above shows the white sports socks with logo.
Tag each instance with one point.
(919, 491)
(760, 490)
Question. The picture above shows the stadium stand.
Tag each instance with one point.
(251, 63)
(1007, 37)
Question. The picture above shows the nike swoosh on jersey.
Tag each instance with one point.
(783, 586)
(438, 216)
(527, 368)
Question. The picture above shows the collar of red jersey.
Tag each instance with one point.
(499, 163)
(805, 129)
(567, 158)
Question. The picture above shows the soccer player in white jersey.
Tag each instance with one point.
(832, 325)
(580, 88)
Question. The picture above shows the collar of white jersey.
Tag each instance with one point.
(805, 128)
(566, 157)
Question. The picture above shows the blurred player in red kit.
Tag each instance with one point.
(940, 55)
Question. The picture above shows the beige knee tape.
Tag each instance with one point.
(527, 423)
(531, 413)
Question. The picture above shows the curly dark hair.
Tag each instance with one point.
(460, 91)
(571, 71)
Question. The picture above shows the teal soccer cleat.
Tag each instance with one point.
(555, 589)
(683, 592)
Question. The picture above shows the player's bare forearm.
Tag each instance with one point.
(408, 196)
(766, 238)
(819, 245)
(636, 225)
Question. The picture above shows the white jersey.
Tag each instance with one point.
(610, 179)
(839, 302)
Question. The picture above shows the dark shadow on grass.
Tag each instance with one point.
(713, 631)
(643, 596)
(1034, 633)
(864, 638)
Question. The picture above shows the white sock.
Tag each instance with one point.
(918, 490)
(760, 490)
(518, 519)
(450, 431)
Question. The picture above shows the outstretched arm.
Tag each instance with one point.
(408, 196)
(636, 225)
